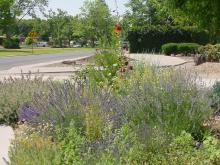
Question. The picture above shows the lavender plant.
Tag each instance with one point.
(16, 92)
(168, 98)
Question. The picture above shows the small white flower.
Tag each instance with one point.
(115, 65)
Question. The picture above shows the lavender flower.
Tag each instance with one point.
(28, 113)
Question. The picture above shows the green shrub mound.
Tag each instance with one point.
(210, 52)
(170, 48)
(151, 38)
(11, 43)
(180, 48)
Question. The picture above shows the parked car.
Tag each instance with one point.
(76, 46)
(42, 44)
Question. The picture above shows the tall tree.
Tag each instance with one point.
(146, 12)
(10, 10)
(6, 16)
(60, 26)
(29, 7)
(154, 12)
(97, 21)
(38, 25)
(205, 13)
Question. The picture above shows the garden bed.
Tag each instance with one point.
(120, 113)
(206, 70)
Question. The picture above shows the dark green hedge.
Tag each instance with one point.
(11, 43)
(1, 40)
(180, 48)
(151, 38)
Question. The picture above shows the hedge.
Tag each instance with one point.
(11, 43)
(180, 48)
(1, 40)
(151, 38)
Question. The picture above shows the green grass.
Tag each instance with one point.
(38, 51)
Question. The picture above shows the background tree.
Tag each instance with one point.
(143, 13)
(12, 11)
(146, 12)
(60, 24)
(6, 16)
(96, 21)
(38, 25)
(29, 7)
(205, 13)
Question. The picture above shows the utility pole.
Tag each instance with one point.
(116, 9)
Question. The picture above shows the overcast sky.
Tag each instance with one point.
(73, 6)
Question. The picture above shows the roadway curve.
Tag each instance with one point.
(9, 62)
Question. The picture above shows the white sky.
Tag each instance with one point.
(73, 6)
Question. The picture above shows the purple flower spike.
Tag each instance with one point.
(28, 113)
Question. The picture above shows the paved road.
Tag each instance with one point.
(9, 62)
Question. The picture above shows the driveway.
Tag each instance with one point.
(9, 62)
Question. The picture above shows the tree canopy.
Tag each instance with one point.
(96, 19)
(11, 9)
(60, 26)
(205, 13)
(6, 17)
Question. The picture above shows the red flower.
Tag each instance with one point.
(118, 28)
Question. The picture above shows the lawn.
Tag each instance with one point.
(38, 51)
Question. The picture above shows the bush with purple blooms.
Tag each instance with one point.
(14, 93)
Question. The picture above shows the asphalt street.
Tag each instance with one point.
(9, 62)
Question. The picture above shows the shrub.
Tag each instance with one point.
(211, 52)
(34, 149)
(216, 88)
(29, 41)
(167, 98)
(106, 69)
(14, 93)
(170, 48)
(71, 142)
(151, 38)
(1, 40)
(180, 48)
(199, 59)
(11, 43)
(91, 108)
(187, 48)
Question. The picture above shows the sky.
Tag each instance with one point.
(73, 6)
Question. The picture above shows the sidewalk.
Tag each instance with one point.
(160, 60)
(166, 61)
(6, 135)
